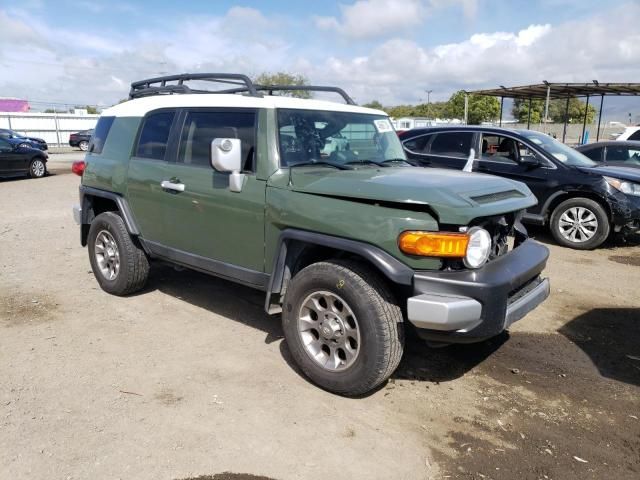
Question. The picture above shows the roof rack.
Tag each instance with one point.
(144, 88)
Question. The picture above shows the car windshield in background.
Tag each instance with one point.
(560, 151)
(339, 138)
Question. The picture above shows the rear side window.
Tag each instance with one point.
(635, 135)
(154, 136)
(417, 144)
(100, 134)
(201, 127)
(594, 154)
(452, 144)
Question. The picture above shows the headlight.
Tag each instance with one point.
(479, 248)
(625, 187)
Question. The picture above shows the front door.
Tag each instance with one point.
(502, 155)
(8, 157)
(206, 220)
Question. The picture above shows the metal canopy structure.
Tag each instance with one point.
(552, 91)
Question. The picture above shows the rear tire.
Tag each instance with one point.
(120, 266)
(83, 145)
(580, 223)
(343, 327)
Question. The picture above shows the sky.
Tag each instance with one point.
(393, 51)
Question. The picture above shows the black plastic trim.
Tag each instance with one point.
(493, 285)
(245, 276)
(391, 267)
(121, 203)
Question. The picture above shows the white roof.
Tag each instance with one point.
(140, 106)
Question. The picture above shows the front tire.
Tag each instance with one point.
(580, 223)
(120, 266)
(37, 168)
(343, 327)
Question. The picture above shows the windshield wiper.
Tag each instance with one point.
(339, 166)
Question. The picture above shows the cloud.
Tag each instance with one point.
(368, 18)
(372, 18)
(45, 62)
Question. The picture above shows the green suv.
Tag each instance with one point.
(313, 203)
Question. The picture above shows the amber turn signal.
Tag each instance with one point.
(434, 244)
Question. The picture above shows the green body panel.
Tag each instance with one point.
(108, 171)
(146, 198)
(209, 220)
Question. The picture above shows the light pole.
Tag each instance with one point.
(428, 100)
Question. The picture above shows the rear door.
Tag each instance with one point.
(206, 220)
(147, 171)
(502, 155)
(448, 149)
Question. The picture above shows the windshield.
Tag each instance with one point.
(309, 136)
(560, 151)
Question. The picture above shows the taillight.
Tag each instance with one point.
(78, 167)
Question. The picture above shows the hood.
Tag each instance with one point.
(631, 174)
(456, 197)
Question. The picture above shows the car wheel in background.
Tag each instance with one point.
(580, 223)
(118, 263)
(37, 168)
(84, 145)
(342, 326)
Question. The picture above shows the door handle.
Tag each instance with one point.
(176, 187)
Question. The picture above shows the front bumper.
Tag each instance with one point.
(472, 305)
(625, 212)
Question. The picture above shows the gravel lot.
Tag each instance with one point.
(191, 377)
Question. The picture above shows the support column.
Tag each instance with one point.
(566, 119)
(529, 115)
(600, 117)
(546, 108)
(584, 122)
(501, 104)
(466, 108)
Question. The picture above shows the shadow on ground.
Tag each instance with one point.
(228, 476)
(246, 305)
(611, 339)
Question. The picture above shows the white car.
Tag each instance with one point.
(630, 133)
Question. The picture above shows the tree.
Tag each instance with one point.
(557, 109)
(374, 104)
(481, 108)
(284, 78)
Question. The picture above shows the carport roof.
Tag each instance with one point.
(562, 90)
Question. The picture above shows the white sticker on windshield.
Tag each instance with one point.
(383, 125)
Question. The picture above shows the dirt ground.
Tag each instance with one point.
(191, 379)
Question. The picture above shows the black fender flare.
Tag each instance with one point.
(86, 195)
(392, 268)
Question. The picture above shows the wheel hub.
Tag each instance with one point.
(331, 328)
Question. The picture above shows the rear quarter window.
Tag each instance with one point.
(100, 134)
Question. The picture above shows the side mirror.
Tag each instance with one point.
(226, 156)
(530, 161)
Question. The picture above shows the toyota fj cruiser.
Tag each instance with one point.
(313, 203)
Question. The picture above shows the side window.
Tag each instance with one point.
(594, 154)
(634, 155)
(200, 128)
(154, 136)
(617, 154)
(417, 144)
(500, 149)
(100, 135)
(452, 144)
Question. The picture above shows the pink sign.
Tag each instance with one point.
(13, 105)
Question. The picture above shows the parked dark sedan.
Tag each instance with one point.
(81, 139)
(624, 153)
(580, 201)
(18, 158)
(35, 142)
